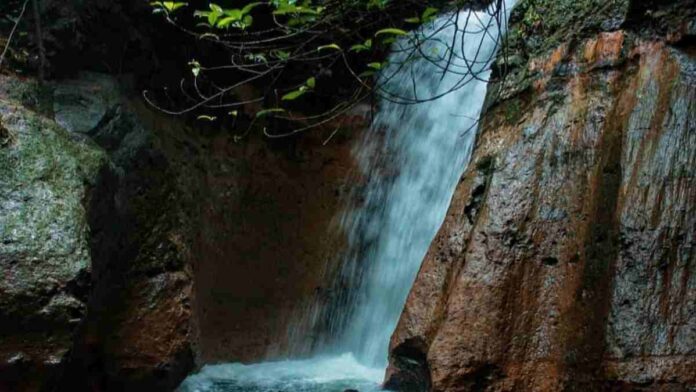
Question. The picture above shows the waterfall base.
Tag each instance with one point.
(320, 374)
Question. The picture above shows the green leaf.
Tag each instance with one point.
(391, 31)
(172, 6)
(330, 46)
(288, 9)
(247, 21)
(415, 20)
(429, 14)
(206, 117)
(247, 8)
(280, 54)
(213, 15)
(311, 82)
(266, 112)
(358, 48)
(293, 95)
(362, 47)
(235, 18)
(212, 18)
(234, 113)
(225, 22)
(234, 13)
(375, 66)
(195, 67)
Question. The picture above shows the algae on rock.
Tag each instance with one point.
(45, 178)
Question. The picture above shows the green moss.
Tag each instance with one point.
(31, 95)
(537, 26)
(513, 111)
(42, 195)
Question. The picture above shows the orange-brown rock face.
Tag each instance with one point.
(566, 259)
(266, 238)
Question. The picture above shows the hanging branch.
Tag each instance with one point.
(12, 32)
(330, 35)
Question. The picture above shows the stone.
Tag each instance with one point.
(134, 216)
(572, 272)
(44, 241)
(83, 103)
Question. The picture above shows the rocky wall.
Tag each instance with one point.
(566, 259)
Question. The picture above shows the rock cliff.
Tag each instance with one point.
(566, 259)
(137, 246)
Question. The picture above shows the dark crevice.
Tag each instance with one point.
(413, 371)
(475, 202)
(484, 377)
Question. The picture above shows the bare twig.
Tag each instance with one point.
(14, 28)
(254, 55)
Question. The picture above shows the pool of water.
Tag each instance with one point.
(321, 374)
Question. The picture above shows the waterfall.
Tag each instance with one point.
(419, 145)
(412, 160)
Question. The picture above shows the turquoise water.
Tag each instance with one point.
(320, 374)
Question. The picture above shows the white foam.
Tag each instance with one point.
(315, 374)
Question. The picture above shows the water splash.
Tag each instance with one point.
(320, 374)
(411, 159)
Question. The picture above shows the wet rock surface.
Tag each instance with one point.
(45, 263)
(136, 246)
(566, 259)
(90, 224)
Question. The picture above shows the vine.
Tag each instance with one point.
(282, 55)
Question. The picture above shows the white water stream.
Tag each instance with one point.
(412, 161)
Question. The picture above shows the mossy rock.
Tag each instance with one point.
(45, 179)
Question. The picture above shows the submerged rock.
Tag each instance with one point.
(566, 258)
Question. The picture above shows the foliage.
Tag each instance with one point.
(294, 53)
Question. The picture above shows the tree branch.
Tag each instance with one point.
(14, 28)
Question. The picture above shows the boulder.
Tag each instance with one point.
(564, 263)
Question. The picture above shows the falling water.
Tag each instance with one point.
(424, 149)
(411, 161)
